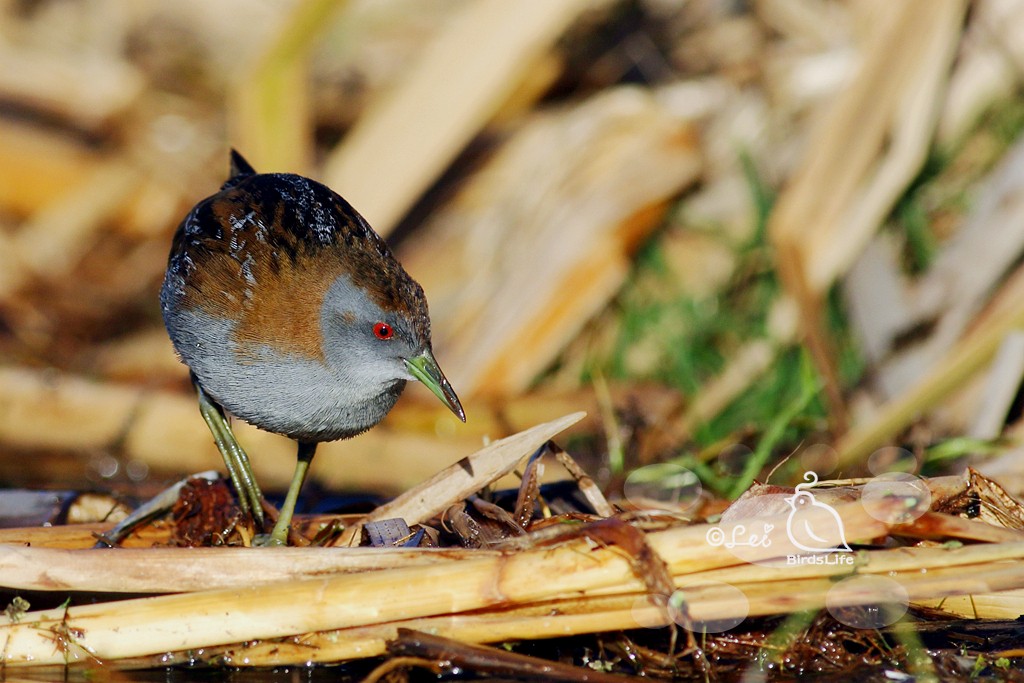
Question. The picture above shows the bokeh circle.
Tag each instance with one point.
(728, 603)
(867, 601)
(914, 490)
(662, 486)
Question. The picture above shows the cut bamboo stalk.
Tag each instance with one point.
(1003, 605)
(880, 562)
(87, 89)
(178, 570)
(949, 296)
(61, 412)
(965, 359)
(627, 611)
(54, 238)
(560, 208)
(783, 597)
(467, 476)
(538, 620)
(871, 141)
(271, 107)
(986, 68)
(1004, 378)
(1003, 315)
(707, 601)
(868, 146)
(77, 536)
(462, 78)
(140, 627)
(147, 354)
(38, 167)
(938, 526)
(706, 604)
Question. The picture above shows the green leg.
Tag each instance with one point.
(249, 495)
(279, 536)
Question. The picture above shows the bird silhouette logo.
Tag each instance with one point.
(814, 526)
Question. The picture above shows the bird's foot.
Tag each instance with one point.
(278, 537)
(269, 541)
(250, 498)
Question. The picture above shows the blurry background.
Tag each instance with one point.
(731, 231)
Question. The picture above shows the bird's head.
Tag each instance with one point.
(377, 339)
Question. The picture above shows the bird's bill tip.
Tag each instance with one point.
(426, 370)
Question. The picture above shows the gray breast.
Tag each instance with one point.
(298, 397)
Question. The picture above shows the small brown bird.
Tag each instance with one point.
(293, 315)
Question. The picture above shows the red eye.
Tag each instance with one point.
(383, 331)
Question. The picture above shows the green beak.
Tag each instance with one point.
(424, 368)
